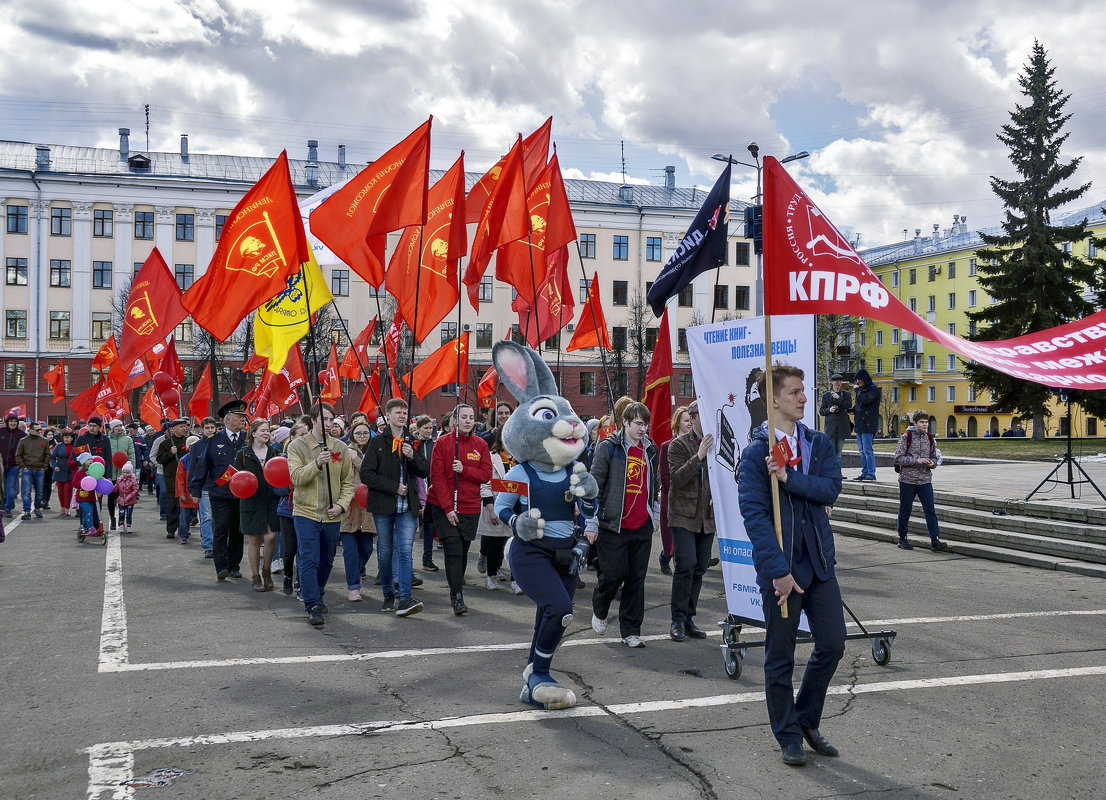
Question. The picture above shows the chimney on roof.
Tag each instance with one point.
(341, 156)
(124, 143)
(184, 147)
(963, 224)
(42, 157)
(670, 177)
(312, 166)
(917, 241)
(313, 150)
(936, 233)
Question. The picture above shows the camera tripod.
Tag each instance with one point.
(1071, 464)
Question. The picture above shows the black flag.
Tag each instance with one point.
(702, 248)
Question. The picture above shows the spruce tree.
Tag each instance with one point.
(1034, 284)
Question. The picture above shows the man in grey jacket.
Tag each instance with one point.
(835, 406)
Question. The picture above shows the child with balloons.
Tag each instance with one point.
(90, 481)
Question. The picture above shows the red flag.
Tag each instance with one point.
(556, 303)
(107, 355)
(356, 355)
(485, 390)
(658, 385)
(200, 403)
(504, 220)
(19, 410)
(390, 193)
(370, 400)
(397, 388)
(445, 365)
(84, 404)
(55, 379)
(150, 409)
(390, 346)
(331, 388)
(426, 280)
(170, 363)
(138, 374)
(263, 243)
(224, 479)
(254, 363)
(294, 370)
(535, 150)
(154, 309)
(591, 330)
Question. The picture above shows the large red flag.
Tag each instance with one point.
(504, 219)
(370, 400)
(55, 379)
(422, 274)
(331, 385)
(390, 193)
(154, 309)
(556, 302)
(138, 374)
(535, 150)
(150, 409)
(485, 390)
(263, 243)
(445, 365)
(107, 355)
(658, 385)
(200, 404)
(356, 355)
(591, 330)
(170, 362)
(255, 362)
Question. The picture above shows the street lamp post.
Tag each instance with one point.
(754, 151)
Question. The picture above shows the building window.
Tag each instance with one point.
(339, 282)
(516, 335)
(971, 328)
(186, 227)
(913, 394)
(879, 366)
(681, 339)
(894, 394)
(951, 363)
(16, 272)
(894, 279)
(741, 254)
(1092, 252)
(15, 324)
(621, 248)
(484, 334)
(952, 299)
(618, 338)
(971, 267)
(913, 276)
(59, 324)
(652, 248)
(17, 219)
(895, 336)
(931, 363)
(686, 296)
(952, 269)
(183, 332)
(722, 297)
(143, 224)
(1066, 247)
(450, 389)
(950, 394)
(137, 266)
(741, 298)
(15, 376)
(220, 223)
(587, 245)
(587, 383)
(618, 383)
(101, 274)
(60, 271)
(102, 223)
(484, 290)
(914, 304)
(449, 332)
(952, 328)
(585, 285)
(879, 338)
(620, 293)
(185, 275)
(554, 343)
(101, 325)
(650, 339)
(931, 394)
(685, 386)
(971, 393)
(61, 222)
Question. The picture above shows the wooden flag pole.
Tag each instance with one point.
(769, 401)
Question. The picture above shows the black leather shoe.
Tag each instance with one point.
(677, 632)
(694, 631)
(793, 754)
(819, 742)
(937, 544)
(904, 544)
(666, 568)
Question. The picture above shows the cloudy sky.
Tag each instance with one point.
(898, 102)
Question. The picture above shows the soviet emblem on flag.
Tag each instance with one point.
(140, 316)
(808, 227)
(257, 250)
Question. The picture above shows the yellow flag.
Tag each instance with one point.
(283, 321)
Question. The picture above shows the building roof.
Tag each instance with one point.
(958, 237)
(246, 170)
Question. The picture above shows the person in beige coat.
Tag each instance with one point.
(357, 529)
(494, 535)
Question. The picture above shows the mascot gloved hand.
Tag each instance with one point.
(582, 483)
(529, 526)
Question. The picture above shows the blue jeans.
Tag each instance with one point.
(161, 500)
(316, 543)
(867, 455)
(357, 549)
(395, 537)
(87, 516)
(186, 515)
(207, 532)
(11, 487)
(32, 478)
(924, 492)
(126, 515)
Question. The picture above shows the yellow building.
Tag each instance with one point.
(935, 276)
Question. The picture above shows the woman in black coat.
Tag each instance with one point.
(258, 512)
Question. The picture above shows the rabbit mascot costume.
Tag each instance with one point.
(541, 496)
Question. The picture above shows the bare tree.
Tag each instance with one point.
(637, 324)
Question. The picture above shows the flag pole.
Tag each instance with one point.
(384, 344)
(718, 272)
(407, 437)
(360, 364)
(595, 322)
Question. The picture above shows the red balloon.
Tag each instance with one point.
(170, 396)
(243, 484)
(119, 458)
(276, 472)
(361, 495)
(110, 403)
(99, 460)
(162, 381)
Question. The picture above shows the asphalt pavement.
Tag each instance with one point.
(130, 662)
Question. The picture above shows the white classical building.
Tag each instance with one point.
(79, 221)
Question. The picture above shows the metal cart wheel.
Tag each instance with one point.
(881, 651)
(731, 660)
(80, 538)
(104, 541)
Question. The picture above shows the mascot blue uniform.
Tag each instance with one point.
(546, 437)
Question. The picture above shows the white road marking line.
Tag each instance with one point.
(111, 763)
(114, 652)
(123, 665)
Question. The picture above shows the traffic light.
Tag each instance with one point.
(754, 227)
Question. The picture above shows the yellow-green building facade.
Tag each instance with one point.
(935, 276)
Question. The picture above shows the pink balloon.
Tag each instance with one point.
(88, 483)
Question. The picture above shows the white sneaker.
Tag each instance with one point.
(632, 641)
(491, 583)
(598, 625)
(515, 588)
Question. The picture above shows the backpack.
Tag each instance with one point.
(910, 439)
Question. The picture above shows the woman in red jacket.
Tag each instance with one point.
(460, 463)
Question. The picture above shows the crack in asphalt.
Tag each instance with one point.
(862, 792)
(379, 770)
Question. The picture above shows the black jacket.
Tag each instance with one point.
(380, 472)
(208, 464)
(866, 405)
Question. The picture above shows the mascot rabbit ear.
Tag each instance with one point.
(522, 371)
